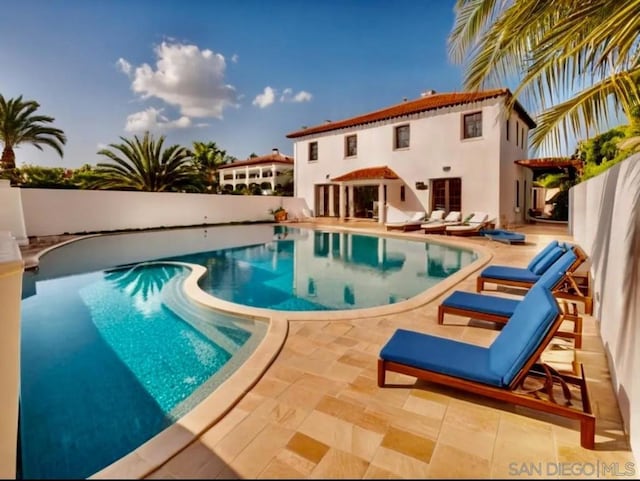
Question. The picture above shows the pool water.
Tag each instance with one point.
(113, 355)
(310, 270)
(108, 362)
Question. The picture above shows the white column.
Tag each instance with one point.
(352, 208)
(234, 179)
(273, 176)
(343, 203)
(332, 207)
(382, 202)
(246, 175)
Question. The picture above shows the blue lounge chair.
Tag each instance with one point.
(525, 277)
(498, 371)
(500, 309)
(504, 236)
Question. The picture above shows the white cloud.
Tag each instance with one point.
(152, 119)
(288, 96)
(235, 57)
(302, 96)
(266, 98)
(124, 66)
(187, 77)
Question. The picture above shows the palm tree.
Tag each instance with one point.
(142, 164)
(207, 157)
(20, 125)
(576, 61)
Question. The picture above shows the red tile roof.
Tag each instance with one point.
(429, 102)
(370, 173)
(263, 159)
(547, 162)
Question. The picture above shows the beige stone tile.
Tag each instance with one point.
(297, 462)
(328, 430)
(278, 469)
(338, 464)
(400, 464)
(320, 384)
(307, 447)
(239, 438)
(342, 372)
(300, 396)
(223, 427)
(374, 472)
(409, 444)
(261, 450)
(406, 420)
(193, 459)
(269, 387)
(450, 462)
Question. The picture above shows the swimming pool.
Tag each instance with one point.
(311, 270)
(112, 353)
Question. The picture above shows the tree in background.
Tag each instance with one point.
(576, 61)
(143, 164)
(207, 158)
(20, 125)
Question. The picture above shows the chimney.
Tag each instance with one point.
(427, 93)
(275, 151)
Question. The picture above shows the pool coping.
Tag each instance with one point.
(155, 452)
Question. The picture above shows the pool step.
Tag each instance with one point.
(207, 321)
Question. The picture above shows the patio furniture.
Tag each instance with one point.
(499, 309)
(471, 226)
(573, 287)
(504, 371)
(438, 227)
(504, 236)
(404, 221)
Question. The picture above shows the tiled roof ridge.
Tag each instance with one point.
(263, 159)
(368, 173)
(422, 104)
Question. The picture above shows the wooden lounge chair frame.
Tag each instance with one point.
(570, 314)
(570, 289)
(541, 399)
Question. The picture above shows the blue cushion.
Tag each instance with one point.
(500, 306)
(441, 355)
(522, 335)
(545, 262)
(554, 274)
(542, 253)
(510, 273)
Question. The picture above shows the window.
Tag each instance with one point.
(351, 146)
(472, 125)
(517, 133)
(517, 194)
(522, 137)
(402, 193)
(507, 129)
(401, 140)
(313, 151)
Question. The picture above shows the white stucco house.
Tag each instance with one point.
(267, 171)
(454, 151)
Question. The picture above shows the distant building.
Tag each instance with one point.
(267, 171)
(451, 151)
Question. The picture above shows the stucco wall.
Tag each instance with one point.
(55, 211)
(605, 221)
(11, 218)
(435, 144)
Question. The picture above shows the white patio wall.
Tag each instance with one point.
(605, 221)
(11, 218)
(56, 211)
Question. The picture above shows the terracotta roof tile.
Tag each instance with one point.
(263, 159)
(546, 162)
(370, 173)
(429, 102)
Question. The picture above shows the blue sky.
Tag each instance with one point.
(242, 73)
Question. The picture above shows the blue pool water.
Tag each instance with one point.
(113, 355)
(307, 270)
(108, 362)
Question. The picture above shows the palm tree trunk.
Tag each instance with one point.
(8, 160)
